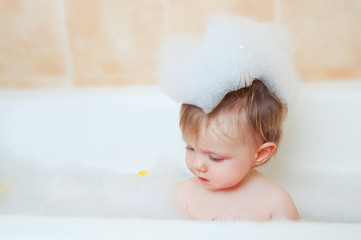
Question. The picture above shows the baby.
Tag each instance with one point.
(235, 82)
(224, 147)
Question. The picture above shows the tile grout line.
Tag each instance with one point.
(68, 60)
(277, 11)
(165, 18)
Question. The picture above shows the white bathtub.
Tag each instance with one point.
(128, 129)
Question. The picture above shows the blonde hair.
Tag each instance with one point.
(264, 113)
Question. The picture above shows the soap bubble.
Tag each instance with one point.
(202, 69)
(89, 192)
(31, 188)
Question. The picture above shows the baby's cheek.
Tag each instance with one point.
(233, 177)
(188, 162)
(227, 180)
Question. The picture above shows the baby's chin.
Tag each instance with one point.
(218, 187)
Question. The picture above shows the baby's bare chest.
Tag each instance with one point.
(227, 206)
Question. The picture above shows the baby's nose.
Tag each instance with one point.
(201, 166)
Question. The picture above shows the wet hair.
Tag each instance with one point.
(262, 109)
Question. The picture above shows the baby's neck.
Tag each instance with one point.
(244, 182)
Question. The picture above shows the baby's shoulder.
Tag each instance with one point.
(278, 199)
(186, 186)
(273, 190)
(264, 184)
(184, 191)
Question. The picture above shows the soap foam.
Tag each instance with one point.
(90, 192)
(324, 197)
(29, 187)
(201, 69)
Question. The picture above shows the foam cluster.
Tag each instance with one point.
(30, 188)
(202, 69)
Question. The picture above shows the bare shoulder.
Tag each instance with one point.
(183, 192)
(279, 200)
(284, 207)
(185, 187)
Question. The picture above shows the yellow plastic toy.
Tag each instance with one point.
(6, 186)
(142, 173)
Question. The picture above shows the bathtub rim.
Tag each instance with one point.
(48, 227)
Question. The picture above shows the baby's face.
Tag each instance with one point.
(217, 163)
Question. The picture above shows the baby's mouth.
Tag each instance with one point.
(202, 179)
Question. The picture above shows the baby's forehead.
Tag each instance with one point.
(223, 130)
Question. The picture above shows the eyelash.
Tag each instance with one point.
(189, 148)
(215, 159)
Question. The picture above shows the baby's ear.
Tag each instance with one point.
(264, 152)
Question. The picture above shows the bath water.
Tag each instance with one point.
(33, 188)
(30, 187)
(324, 197)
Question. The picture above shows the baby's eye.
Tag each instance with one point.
(215, 158)
(189, 148)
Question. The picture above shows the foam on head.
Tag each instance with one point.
(201, 69)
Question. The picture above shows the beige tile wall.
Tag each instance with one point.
(51, 43)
